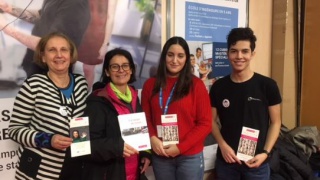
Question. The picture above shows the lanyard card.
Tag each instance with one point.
(247, 143)
(79, 132)
(170, 133)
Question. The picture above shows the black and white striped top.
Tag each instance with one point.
(37, 108)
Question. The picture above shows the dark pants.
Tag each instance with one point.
(235, 171)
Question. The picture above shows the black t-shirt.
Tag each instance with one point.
(244, 104)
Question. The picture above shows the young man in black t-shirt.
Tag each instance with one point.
(244, 99)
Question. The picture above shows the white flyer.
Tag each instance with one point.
(79, 132)
(134, 130)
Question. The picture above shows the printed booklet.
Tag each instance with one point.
(247, 143)
(170, 133)
(134, 130)
(79, 132)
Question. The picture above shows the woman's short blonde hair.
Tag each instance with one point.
(42, 45)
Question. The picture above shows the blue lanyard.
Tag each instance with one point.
(168, 101)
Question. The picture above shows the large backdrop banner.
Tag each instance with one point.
(205, 25)
(95, 26)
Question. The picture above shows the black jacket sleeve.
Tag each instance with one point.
(105, 137)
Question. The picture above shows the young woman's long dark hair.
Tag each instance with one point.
(184, 82)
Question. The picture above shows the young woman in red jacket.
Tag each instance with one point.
(178, 113)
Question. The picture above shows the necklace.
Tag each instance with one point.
(60, 81)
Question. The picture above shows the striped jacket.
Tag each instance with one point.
(41, 107)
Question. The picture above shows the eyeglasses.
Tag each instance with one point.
(116, 67)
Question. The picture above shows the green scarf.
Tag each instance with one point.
(127, 97)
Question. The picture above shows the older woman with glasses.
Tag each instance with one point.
(110, 156)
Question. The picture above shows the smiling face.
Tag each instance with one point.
(240, 56)
(175, 60)
(75, 134)
(57, 55)
(119, 71)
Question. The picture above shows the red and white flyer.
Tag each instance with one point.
(170, 133)
(247, 143)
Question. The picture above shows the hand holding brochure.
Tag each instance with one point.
(247, 143)
(134, 130)
(79, 132)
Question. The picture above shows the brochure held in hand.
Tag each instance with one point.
(79, 132)
(247, 143)
(134, 130)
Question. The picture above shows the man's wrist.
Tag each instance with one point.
(265, 152)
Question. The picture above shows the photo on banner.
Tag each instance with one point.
(95, 26)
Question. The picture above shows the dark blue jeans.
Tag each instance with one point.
(235, 171)
(178, 168)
